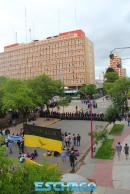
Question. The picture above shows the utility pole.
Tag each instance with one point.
(91, 127)
(90, 105)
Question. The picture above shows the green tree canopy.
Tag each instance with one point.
(64, 102)
(108, 86)
(112, 114)
(111, 76)
(45, 88)
(110, 69)
(17, 178)
(89, 90)
(18, 96)
(2, 82)
(119, 93)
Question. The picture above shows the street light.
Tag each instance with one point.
(90, 105)
(91, 125)
(120, 48)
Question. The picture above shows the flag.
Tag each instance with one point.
(43, 137)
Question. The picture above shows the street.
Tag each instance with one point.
(70, 126)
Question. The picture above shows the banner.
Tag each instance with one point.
(43, 137)
(14, 138)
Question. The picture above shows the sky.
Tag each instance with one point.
(105, 22)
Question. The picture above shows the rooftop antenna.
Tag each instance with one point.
(30, 33)
(26, 23)
(75, 13)
(16, 41)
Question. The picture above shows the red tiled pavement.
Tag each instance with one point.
(103, 173)
(103, 169)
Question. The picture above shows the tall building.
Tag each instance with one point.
(68, 56)
(116, 64)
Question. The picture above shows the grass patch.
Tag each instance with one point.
(106, 150)
(117, 129)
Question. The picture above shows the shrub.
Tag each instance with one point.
(117, 129)
(106, 150)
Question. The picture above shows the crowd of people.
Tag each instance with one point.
(71, 142)
(70, 147)
(73, 116)
(31, 156)
(88, 103)
(10, 144)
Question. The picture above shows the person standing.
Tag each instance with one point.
(18, 143)
(69, 137)
(78, 140)
(74, 139)
(22, 146)
(128, 120)
(66, 140)
(125, 116)
(64, 155)
(72, 159)
(76, 109)
(10, 145)
(118, 149)
(35, 153)
(126, 150)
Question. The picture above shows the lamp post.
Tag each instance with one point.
(91, 126)
(120, 48)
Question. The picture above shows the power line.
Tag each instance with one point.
(125, 58)
(120, 48)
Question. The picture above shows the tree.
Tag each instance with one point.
(110, 69)
(45, 88)
(2, 82)
(16, 178)
(18, 96)
(112, 114)
(119, 94)
(111, 76)
(88, 90)
(129, 94)
(64, 102)
(100, 136)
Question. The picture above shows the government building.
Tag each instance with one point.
(68, 57)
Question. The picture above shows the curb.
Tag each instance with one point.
(80, 161)
(52, 123)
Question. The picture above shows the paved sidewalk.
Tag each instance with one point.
(81, 127)
(111, 176)
(40, 122)
(121, 168)
(104, 190)
(101, 104)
